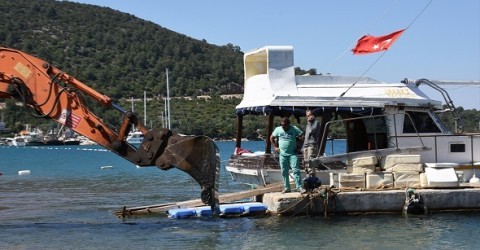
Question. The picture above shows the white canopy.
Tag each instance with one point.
(270, 81)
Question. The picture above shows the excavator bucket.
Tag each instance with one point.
(198, 156)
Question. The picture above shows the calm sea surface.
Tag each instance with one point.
(68, 202)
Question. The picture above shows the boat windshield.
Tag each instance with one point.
(422, 121)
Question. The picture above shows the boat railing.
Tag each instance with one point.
(448, 101)
(377, 153)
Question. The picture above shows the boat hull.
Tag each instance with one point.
(35, 143)
(265, 169)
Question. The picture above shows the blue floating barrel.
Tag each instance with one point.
(204, 211)
(239, 209)
(180, 213)
(230, 209)
(254, 208)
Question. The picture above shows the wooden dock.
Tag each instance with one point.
(224, 198)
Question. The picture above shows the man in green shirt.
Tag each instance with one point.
(283, 139)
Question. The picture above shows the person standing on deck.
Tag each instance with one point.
(310, 145)
(283, 138)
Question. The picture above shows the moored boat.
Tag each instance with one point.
(32, 137)
(71, 141)
(18, 141)
(135, 137)
(393, 134)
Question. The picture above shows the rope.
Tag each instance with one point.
(419, 14)
(320, 193)
(292, 206)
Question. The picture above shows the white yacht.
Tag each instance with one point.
(391, 129)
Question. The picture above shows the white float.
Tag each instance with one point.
(24, 172)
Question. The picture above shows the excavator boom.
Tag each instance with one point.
(50, 93)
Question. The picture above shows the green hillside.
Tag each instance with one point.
(107, 48)
(122, 56)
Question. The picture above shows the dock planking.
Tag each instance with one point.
(224, 198)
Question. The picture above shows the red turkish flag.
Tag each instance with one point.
(370, 44)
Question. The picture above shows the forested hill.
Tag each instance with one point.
(122, 56)
(116, 53)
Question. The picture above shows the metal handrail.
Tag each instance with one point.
(446, 97)
(325, 130)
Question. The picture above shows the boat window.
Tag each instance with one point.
(376, 125)
(457, 147)
(365, 133)
(419, 120)
(377, 132)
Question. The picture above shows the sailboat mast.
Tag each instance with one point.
(168, 100)
(165, 108)
(133, 109)
(145, 108)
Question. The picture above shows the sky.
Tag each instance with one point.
(442, 40)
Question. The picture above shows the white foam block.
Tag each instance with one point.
(441, 177)
(406, 167)
(376, 180)
(423, 180)
(360, 169)
(406, 179)
(364, 161)
(391, 160)
(351, 180)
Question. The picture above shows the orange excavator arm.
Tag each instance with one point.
(51, 93)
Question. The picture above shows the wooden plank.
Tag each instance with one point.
(224, 198)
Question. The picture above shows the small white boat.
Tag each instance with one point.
(135, 137)
(5, 141)
(18, 141)
(84, 141)
(390, 128)
(32, 137)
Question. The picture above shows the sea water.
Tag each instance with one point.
(68, 202)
